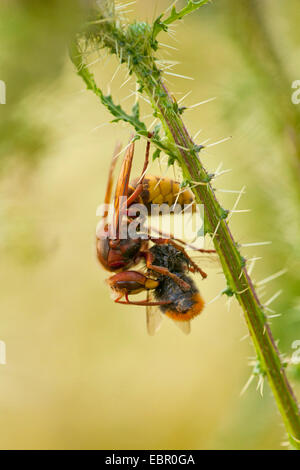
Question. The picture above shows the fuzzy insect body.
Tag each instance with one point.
(183, 304)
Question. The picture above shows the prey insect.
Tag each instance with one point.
(164, 296)
(119, 255)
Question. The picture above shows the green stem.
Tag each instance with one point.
(235, 271)
(180, 146)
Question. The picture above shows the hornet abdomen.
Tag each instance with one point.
(162, 191)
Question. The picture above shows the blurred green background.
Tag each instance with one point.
(81, 371)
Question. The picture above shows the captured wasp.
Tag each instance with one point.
(118, 254)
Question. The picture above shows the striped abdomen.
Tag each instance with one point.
(158, 190)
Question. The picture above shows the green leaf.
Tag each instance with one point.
(136, 110)
(115, 109)
(120, 115)
(156, 154)
(175, 15)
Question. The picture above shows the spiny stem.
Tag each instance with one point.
(191, 6)
(135, 46)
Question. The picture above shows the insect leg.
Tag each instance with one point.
(161, 270)
(162, 241)
(188, 245)
(192, 263)
(144, 303)
(146, 163)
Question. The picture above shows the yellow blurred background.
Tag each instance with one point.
(81, 372)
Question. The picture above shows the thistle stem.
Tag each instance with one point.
(236, 274)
